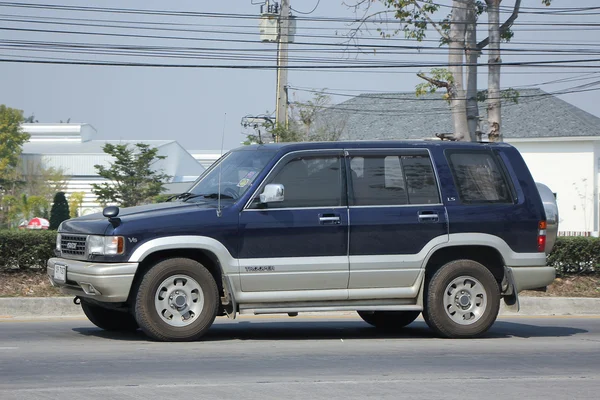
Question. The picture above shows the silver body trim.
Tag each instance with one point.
(354, 277)
(403, 274)
(317, 308)
(112, 281)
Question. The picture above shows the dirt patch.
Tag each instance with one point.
(26, 284)
(36, 284)
(570, 286)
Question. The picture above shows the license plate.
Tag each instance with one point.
(60, 273)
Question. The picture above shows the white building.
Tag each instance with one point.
(207, 157)
(568, 166)
(72, 149)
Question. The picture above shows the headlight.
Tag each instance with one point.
(106, 245)
(58, 239)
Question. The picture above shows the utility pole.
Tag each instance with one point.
(281, 110)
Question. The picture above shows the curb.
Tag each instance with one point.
(42, 307)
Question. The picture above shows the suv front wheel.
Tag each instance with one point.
(462, 300)
(177, 300)
(108, 319)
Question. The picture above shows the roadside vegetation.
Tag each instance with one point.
(23, 256)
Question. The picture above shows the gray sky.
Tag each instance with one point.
(189, 104)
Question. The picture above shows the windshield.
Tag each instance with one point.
(238, 170)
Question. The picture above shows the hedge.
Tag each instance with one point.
(576, 255)
(30, 249)
(26, 249)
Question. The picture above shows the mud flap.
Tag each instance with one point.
(230, 305)
(509, 291)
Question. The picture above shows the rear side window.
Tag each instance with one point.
(392, 180)
(479, 177)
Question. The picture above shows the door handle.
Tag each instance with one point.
(428, 216)
(329, 219)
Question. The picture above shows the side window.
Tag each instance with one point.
(478, 178)
(393, 180)
(310, 182)
(420, 180)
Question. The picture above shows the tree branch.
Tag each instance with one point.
(437, 28)
(504, 27)
(434, 82)
(362, 22)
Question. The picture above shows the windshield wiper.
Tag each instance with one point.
(208, 196)
(182, 196)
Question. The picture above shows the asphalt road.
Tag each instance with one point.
(315, 357)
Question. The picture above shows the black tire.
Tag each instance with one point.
(389, 320)
(107, 319)
(155, 323)
(443, 311)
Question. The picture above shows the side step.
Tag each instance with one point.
(287, 308)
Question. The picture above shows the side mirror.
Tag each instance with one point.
(110, 212)
(272, 193)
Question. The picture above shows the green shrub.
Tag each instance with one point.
(59, 211)
(26, 249)
(575, 255)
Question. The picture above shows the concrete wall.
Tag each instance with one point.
(568, 168)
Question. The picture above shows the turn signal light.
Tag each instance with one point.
(120, 244)
(541, 240)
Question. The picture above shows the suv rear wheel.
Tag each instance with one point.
(177, 300)
(389, 319)
(462, 300)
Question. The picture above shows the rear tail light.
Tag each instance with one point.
(541, 240)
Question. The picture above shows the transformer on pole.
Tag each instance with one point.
(277, 25)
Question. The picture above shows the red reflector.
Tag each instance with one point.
(542, 243)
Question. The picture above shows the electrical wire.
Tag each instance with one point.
(310, 12)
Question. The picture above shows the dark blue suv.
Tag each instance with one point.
(388, 229)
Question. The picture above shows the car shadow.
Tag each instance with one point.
(336, 330)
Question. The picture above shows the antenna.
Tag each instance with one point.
(219, 213)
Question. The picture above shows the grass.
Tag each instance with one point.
(34, 283)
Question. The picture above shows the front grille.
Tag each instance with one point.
(73, 245)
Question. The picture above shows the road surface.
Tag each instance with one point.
(312, 357)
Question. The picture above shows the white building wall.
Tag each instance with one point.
(569, 169)
(207, 157)
(90, 203)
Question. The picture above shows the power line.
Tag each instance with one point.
(384, 96)
(115, 10)
(363, 109)
(310, 12)
(548, 63)
(343, 92)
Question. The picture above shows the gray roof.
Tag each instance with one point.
(405, 116)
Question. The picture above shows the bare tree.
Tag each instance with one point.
(472, 53)
(458, 94)
(459, 32)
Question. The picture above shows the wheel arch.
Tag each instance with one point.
(488, 256)
(205, 257)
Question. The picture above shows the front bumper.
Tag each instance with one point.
(107, 282)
